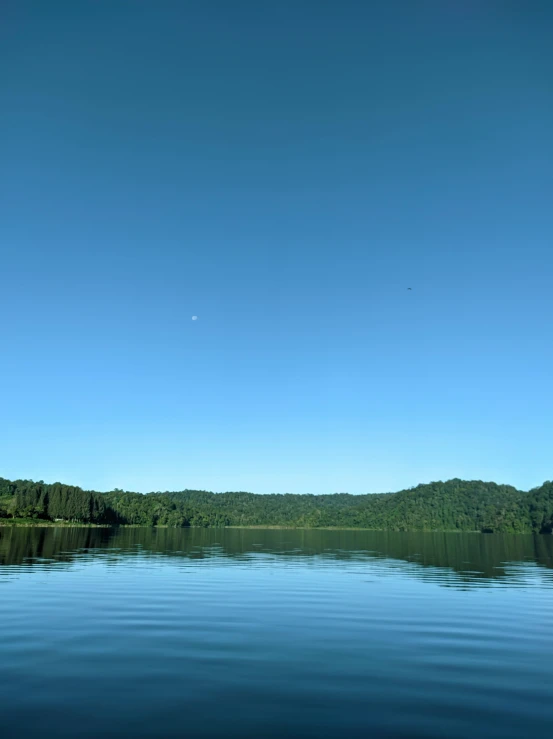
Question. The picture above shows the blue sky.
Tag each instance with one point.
(284, 171)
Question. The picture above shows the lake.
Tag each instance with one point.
(274, 633)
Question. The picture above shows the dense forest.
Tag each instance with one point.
(455, 505)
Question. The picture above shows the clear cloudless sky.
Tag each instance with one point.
(284, 171)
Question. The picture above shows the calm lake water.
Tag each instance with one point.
(256, 633)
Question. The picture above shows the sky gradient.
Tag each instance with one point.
(284, 172)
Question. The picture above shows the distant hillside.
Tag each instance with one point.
(455, 505)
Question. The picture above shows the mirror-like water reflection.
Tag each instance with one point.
(465, 559)
(243, 633)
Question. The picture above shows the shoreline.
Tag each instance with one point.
(8, 524)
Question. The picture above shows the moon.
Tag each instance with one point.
(194, 318)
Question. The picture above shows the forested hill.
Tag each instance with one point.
(455, 505)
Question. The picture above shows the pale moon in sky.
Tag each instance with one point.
(194, 318)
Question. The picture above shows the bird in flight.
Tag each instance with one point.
(409, 288)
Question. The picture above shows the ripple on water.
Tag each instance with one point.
(242, 633)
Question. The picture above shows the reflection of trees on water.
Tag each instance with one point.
(469, 558)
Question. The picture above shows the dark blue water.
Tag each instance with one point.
(242, 633)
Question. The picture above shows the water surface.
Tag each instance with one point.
(271, 633)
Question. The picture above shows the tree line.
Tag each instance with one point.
(455, 505)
